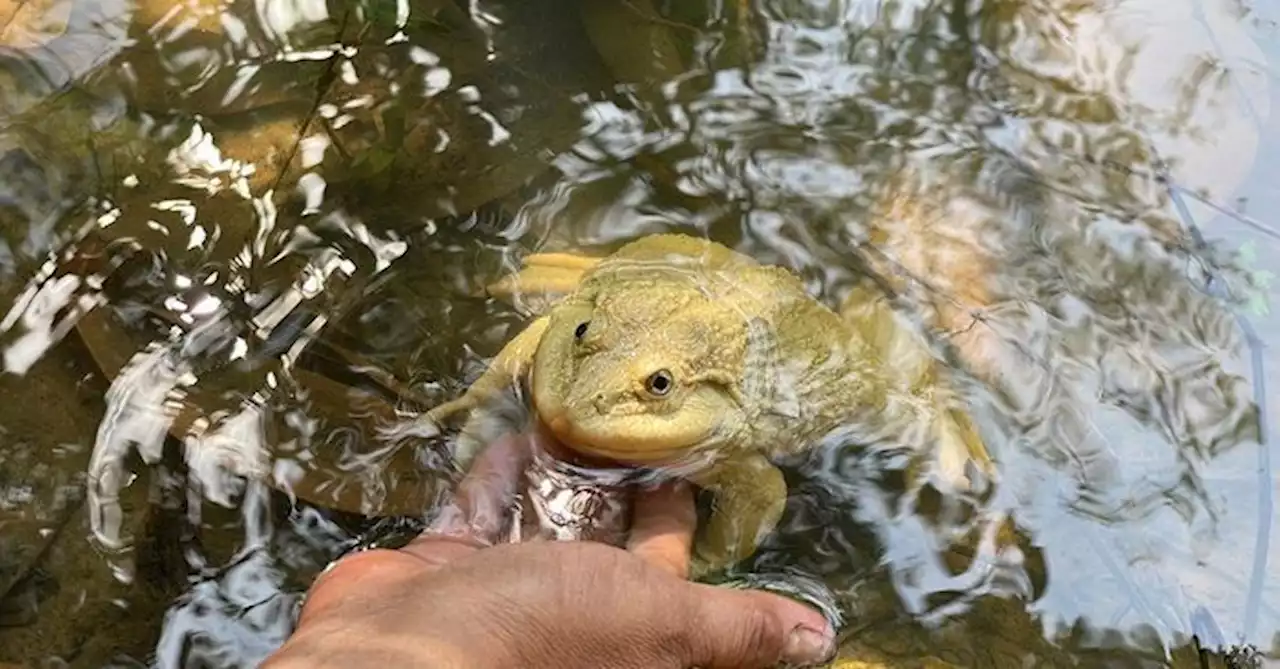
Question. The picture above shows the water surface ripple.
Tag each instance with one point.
(239, 238)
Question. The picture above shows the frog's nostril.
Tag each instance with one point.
(601, 403)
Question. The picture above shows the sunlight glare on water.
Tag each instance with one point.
(239, 239)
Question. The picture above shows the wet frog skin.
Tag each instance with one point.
(678, 352)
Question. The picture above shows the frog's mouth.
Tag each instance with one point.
(633, 440)
(636, 439)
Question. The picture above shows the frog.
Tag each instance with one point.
(677, 352)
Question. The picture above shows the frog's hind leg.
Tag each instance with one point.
(956, 438)
(750, 496)
(543, 275)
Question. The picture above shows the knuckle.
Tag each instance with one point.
(762, 635)
(367, 566)
(744, 636)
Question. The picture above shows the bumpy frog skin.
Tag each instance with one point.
(681, 352)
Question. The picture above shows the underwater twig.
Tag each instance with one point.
(1162, 177)
(1217, 46)
(1266, 512)
(659, 19)
(323, 85)
(978, 316)
(1213, 287)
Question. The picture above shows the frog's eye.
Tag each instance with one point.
(581, 331)
(659, 383)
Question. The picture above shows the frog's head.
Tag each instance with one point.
(646, 374)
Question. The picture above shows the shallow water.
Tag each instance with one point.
(259, 229)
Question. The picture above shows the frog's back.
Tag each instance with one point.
(675, 250)
(733, 278)
(803, 367)
(796, 324)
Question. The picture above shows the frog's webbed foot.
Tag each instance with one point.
(796, 585)
(547, 275)
(428, 424)
(750, 496)
(963, 462)
(961, 458)
(704, 568)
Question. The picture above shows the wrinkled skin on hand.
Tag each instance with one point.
(451, 598)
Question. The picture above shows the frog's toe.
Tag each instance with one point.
(709, 562)
(422, 427)
(700, 569)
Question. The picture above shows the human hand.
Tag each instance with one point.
(450, 598)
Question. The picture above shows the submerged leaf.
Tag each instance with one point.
(634, 40)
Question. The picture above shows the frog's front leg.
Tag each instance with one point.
(512, 362)
(544, 274)
(749, 496)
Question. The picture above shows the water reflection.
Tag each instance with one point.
(239, 237)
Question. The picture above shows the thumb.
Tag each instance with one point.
(745, 628)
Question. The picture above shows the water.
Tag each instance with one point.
(236, 240)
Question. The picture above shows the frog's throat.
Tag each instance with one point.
(623, 449)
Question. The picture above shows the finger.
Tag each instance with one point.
(480, 507)
(486, 493)
(663, 522)
(743, 628)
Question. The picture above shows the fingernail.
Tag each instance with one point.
(806, 646)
